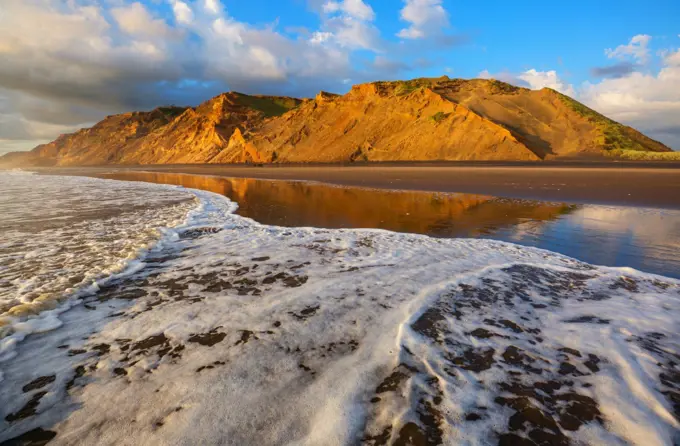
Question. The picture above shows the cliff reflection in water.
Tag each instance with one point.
(288, 203)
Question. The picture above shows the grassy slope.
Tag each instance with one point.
(270, 106)
(620, 141)
(635, 155)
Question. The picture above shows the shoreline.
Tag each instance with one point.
(634, 185)
(264, 322)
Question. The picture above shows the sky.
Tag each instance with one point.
(66, 64)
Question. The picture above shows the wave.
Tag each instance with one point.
(64, 237)
(236, 332)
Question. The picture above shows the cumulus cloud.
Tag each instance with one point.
(532, 79)
(546, 79)
(136, 20)
(672, 58)
(425, 18)
(320, 37)
(352, 33)
(353, 8)
(182, 11)
(213, 6)
(91, 59)
(637, 49)
(348, 23)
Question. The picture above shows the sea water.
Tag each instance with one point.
(152, 314)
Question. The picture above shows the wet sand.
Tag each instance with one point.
(641, 238)
(640, 185)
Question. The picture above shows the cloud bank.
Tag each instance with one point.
(67, 64)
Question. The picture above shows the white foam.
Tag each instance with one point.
(64, 237)
(300, 360)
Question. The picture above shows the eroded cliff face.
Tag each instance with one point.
(421, 119)
(104, 142)
(378, 122)
(212, 131)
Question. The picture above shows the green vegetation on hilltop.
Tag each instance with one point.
(172, 111)
(614, 136)
(498, 87)
(637, 155)
(270, 106)
(402, 88)
(407, 87)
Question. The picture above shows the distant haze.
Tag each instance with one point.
(7, 146)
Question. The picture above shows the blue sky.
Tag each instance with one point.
(97, 57)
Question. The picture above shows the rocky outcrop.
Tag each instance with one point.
(421, 119)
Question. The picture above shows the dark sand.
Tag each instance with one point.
(624, 184)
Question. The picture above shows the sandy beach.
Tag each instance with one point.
(625, 184)
(193, 323)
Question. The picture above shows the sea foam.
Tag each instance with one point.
(240, 333)
(62, 237)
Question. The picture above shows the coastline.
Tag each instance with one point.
(233, 320)
(625, 184)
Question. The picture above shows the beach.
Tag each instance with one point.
(339, 223)
(213, 327)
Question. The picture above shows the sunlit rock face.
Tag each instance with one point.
(421, 119)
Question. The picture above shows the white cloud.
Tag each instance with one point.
(320, 37)
(182, 11)
(213, 6)
(546, 79)
(347, 23)
(353, 8)
(136, 20)
(229, 30)
(351, 33)
(426, 17)
(672, 58)
(88, 61)
(637, 49)
(532, 79)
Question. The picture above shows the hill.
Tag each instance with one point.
(420, 119)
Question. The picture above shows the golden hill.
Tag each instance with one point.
(421, 119)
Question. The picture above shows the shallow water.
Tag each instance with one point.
(644, 239)
(225, 330)
(59, 236)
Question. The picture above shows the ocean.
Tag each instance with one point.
(138, 313)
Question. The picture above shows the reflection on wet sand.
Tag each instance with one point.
(644, 239)
(287, 203)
